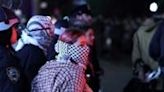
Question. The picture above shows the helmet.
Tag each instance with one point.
(7, 19)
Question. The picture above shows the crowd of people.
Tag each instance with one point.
(43, 57)
(62, 57)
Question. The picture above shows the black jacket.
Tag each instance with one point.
(31, 59)
(10, 74)
(94, 70)
(156, 48)
(51, 53)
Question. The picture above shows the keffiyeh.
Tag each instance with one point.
(79, 54)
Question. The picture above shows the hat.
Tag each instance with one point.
(7, 19)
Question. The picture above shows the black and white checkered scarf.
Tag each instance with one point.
(78, 54)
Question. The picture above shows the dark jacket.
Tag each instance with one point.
(31, 59)
(94, 61)
(51, 53)
(10, 74)
(156, 48)
(94, 70)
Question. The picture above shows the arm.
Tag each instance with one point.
(135, 52)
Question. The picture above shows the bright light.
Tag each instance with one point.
(88, 75)
(18, 12)
(108, 41)
(153, 7)
(43, 5)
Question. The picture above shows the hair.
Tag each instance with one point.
(71, 35)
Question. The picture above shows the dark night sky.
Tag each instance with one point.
(121, 7)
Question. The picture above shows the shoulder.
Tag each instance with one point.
(31, 49)
(75, 71)
(31, 54)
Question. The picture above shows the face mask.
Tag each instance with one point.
(79, 54)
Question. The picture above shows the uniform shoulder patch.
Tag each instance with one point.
(13, 74)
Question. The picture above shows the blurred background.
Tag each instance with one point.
(116, 21)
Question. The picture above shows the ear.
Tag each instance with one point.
(14, 36)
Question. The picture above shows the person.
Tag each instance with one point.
(67, 72)
(141, 41)
(146, 70)
(156, 49)
(10, 72)
(60, 27)
(94, 71)
(32, 46)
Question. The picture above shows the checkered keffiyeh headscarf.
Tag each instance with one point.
(41, 29)
(70, 51)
